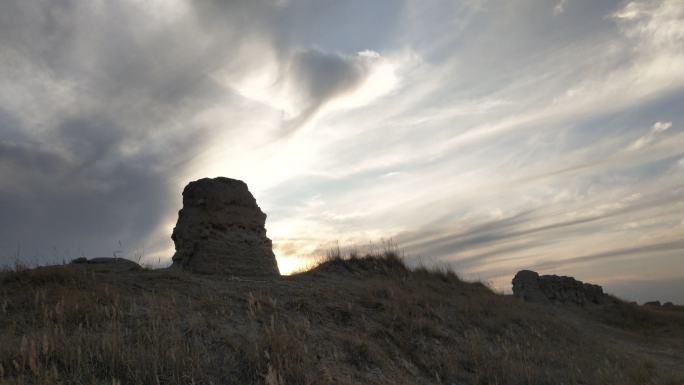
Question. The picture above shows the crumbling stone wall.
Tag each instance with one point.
(532, 287)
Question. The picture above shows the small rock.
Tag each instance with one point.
(121, 264)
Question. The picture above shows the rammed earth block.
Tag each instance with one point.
(220, 230)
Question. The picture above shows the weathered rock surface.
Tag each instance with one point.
(220, 230)
(532, 287)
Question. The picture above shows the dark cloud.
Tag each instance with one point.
(319, 77)
(55, 206)
(96, 125)
(322, 76)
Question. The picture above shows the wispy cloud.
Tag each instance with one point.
(559, 8)
(655, 132)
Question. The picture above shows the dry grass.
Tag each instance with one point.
(350, 320)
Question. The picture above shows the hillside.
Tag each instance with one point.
(348, 321)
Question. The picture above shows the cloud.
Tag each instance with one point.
(654, 26)
(101, 116)
(541, 226)
(130, 99)
(311, 81)
(320, 76)
(315, 78)
(661, 126)
(559, 8)
(653, 135)
(68, 206)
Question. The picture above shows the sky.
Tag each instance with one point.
(482, 136)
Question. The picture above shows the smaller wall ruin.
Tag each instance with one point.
(532, 287)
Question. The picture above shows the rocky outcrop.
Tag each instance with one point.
(220, 230)
(532, 287)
